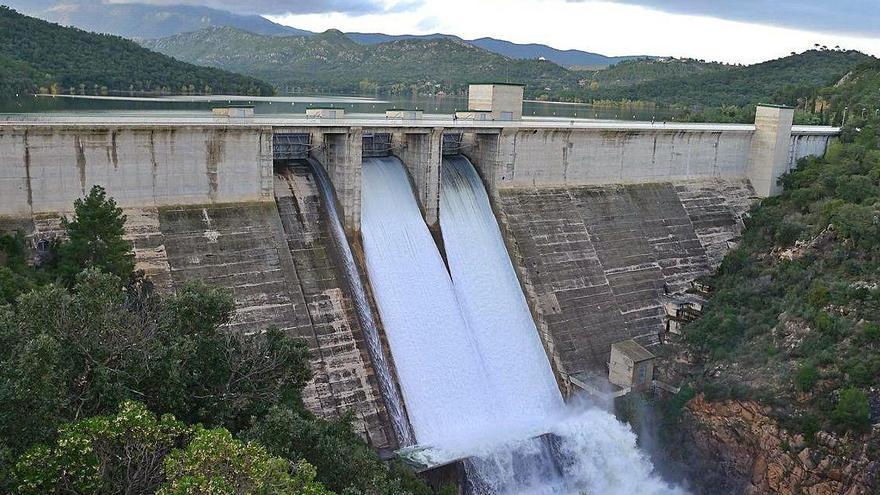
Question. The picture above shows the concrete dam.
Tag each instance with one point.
(579, 229)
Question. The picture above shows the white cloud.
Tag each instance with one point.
(596, 26)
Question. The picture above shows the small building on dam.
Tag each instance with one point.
(601, 219)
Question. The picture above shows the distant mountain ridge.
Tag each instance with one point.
(331, 61)
(143, 21)
(140, 21)
(531, 51)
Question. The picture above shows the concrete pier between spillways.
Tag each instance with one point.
(600, 218)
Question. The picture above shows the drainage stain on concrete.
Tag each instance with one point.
(80, 162)
(114, 150)
(214, 154)
(27, 171)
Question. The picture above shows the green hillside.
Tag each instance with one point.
(783, 80)
(632, 72)
(794, 316)
(38, 56)
(332, 62)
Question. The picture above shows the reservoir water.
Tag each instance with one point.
(297, 105)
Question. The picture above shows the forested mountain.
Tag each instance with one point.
(632, 72)
(783, 80)
(150, 21)
(331, 61)
(144, 21)
(39, 56)
(530, 51)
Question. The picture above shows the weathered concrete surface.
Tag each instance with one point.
(143, 230)
(44, 169)
(422, 155)
(594, 261)
(341, 348)
(245, 248)
(547, 158)
(342, 155)
(805, 144)
(770, 153)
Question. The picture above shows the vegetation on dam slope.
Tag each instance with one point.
(786, 356)
(38, 56)
(109, 387)
(795, 310)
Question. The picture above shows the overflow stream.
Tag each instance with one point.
(471, 366)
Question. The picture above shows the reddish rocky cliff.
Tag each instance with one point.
(742, 440)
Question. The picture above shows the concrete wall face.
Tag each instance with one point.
(343, 374)
(422, 155)
(502, 100)
(341, 154)
(46, 169)
(804, 145)
(595, 260)
(770, 150)
(547, 158)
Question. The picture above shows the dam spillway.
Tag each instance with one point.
(466, 348)
(439, 369)
(492, 301)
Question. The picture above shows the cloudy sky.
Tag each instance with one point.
(729, 30)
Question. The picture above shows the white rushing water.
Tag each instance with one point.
(438, 367)
(474, 374)
(492, 300)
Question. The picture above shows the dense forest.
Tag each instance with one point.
(108, 387)
(332, 62)
(36, 56)
(784, 80)
(631, 72)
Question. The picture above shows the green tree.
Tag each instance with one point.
(95, 238)
(214, 463)
(79, 353)
(806, 377)
(136, 452)
(104, 455)
(853, 412)
(343, 460)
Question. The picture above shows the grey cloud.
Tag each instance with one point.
(855, 17)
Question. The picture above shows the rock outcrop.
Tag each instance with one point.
(757, 456)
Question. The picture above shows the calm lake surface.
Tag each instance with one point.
(297, 105)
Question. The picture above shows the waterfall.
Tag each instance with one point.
(586, 450)
(441, 374)
(393, 402)
(473, 371)
(492, 300)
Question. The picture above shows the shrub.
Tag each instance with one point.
(818, 295)
(853, 411)
(806, 377)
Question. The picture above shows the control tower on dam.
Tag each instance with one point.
(602, 219)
